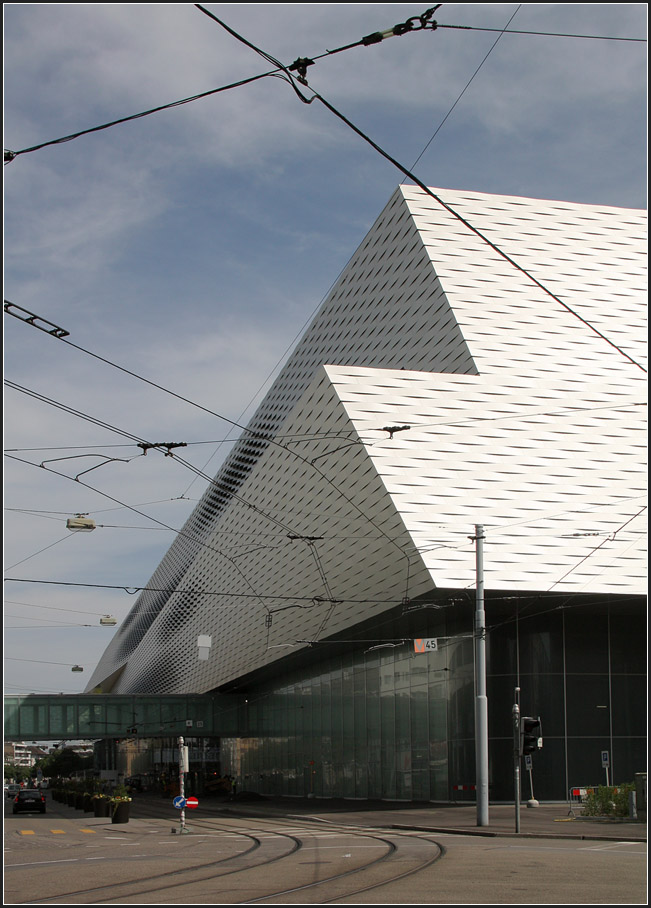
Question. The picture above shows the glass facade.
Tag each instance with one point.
(42, 717)
(368, 717)
(386, 722)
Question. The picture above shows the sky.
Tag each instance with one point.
(192, 246)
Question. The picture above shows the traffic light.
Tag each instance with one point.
(530, 735)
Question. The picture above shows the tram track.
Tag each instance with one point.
(313, 892)
(173, 879)
(325, 861)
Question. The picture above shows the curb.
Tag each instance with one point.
(451, 830)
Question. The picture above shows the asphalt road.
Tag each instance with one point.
(341, 857)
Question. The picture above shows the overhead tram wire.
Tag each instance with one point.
(141, 441)
(429, 192)
(190, 466)
(367, 41)
(301, 64)
(34, 554)
(132, 590)
(62, 335)
(515, 31)
(10, 156)
(465, 88)
(315, 95)
(155, 520)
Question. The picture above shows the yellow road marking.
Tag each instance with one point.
(58, 831)
(91, 831)
(26, 832)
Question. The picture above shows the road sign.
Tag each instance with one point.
(179, 802)
(426, 645)
(605, 759)
(192, 802)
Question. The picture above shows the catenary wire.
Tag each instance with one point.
(52, 608)
(11, 155)
(307, 437)
(477, 232)
(515, 31)
(408, 173)
(34, 554)
(178, 459)
(155, 520)
(467, 85)
(253, 433)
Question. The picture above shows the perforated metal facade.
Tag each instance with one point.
(524, 415)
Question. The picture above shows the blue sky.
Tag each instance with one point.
(193, 245)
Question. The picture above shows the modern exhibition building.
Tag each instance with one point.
(477, 370)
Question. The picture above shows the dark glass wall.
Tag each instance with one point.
(385, 722)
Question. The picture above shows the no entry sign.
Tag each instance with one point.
(191, 802)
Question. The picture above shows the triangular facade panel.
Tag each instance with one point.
(517, 369)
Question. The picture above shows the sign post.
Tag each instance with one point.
(605, 764)
(183, 768)
(528, 765)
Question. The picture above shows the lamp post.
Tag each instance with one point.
(481, 700)
(516, 757)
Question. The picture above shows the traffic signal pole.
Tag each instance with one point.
(516, 757)
(481, 700)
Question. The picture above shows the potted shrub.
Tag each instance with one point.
(87, 802)
(120, 802)
(101, 805)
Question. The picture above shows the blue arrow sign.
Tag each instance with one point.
(179, 801)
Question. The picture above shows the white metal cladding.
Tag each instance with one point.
(523, 418)
(554, 470)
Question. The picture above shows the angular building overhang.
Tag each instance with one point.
(522, 388)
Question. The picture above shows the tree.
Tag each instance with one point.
(64, 763)
(17, 773)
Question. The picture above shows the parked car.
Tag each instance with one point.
(11, 790)
(29, 799)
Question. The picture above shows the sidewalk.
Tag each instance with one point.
(549, 820)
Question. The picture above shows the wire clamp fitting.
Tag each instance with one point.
(300, 66)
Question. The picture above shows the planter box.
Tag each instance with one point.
(120, 812)
(101, 808)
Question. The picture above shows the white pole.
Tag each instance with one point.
(516, 757)
(481, 700)
(182, 780)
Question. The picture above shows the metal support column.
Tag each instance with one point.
(481, 699)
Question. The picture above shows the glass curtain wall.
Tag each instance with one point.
(389, 723)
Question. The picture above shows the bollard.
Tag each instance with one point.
(632, 805)
(640, 795)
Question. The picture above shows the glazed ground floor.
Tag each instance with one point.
(370, 717)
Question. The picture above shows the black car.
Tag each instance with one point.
(30, 799)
